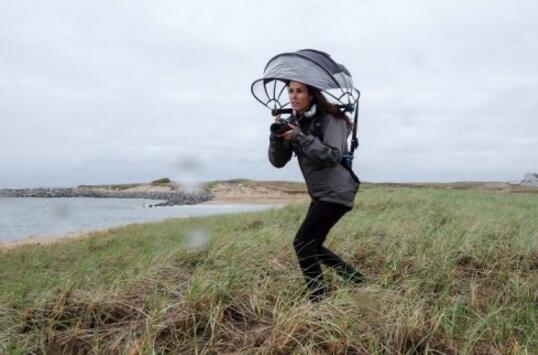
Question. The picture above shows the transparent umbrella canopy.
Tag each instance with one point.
(308, 66)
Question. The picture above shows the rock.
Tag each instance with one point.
(172, 198)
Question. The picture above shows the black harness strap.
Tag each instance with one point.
(354, 139)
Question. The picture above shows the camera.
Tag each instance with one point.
(281, 125)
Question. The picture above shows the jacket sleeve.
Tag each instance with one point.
(329, 152)
(280, 151)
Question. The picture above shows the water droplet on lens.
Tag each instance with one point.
(196, 238)
(60, 211)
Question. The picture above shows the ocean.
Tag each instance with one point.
(22, 218)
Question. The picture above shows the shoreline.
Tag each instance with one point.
(39, 240)
(49, 239)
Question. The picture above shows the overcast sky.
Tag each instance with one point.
(122, 91)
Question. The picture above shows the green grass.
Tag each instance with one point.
(211, 184)
(118, 187)
(161, 181)
(452, 272)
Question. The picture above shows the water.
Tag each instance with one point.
(21, 218)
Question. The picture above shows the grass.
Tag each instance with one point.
(120, 187)
(211, 184)
(117, 187)
(291, 187)
(161, 181)
(453, 272)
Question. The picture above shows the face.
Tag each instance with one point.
(299, 97)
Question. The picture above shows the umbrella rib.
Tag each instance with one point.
(280, 93)
(265, 89)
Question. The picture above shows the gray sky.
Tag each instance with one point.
(122, 91)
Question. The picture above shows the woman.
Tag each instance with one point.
(319, 141)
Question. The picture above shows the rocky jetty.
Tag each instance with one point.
(171, 198)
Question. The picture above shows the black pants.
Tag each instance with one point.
(321, 217)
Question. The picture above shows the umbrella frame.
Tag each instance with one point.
(349, 106)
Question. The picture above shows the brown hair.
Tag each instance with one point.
(326, 107)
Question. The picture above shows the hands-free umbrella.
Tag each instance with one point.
(313, 68)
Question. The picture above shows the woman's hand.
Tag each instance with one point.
(289, 134)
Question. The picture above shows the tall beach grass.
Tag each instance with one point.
(451, 272)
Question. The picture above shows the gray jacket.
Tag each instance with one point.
(326, 179)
